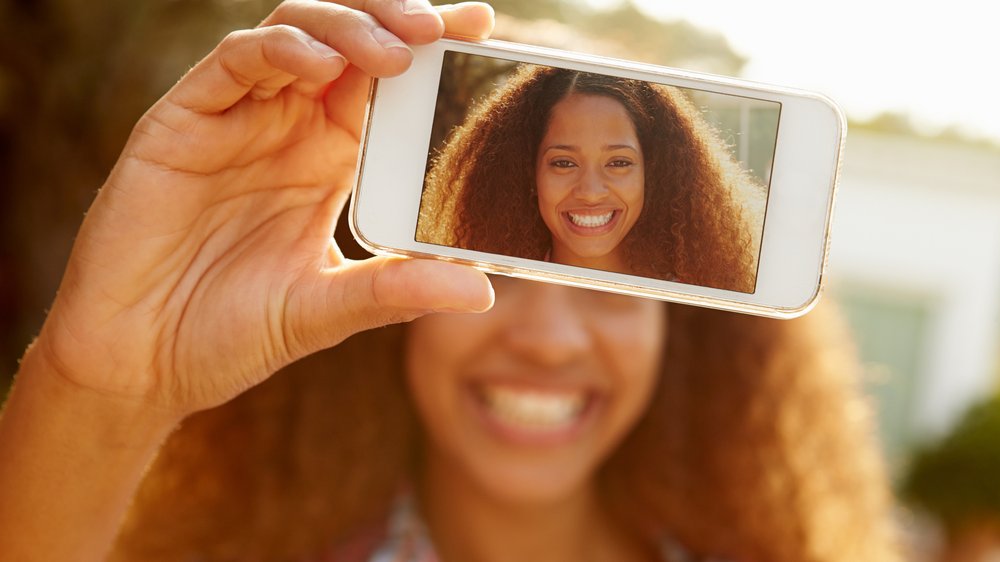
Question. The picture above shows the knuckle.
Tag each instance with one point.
(284, 10)
(284, 31)
(274, 38)
(344, 17)
(374, 6)
(333, 17)
(263, 94)
(375, 288)
(234, 38)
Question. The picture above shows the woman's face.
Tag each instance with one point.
(525, 401)
(590, 180)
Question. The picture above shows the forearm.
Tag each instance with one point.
(70, 462)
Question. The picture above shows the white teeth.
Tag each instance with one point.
(534, 409)
(591, 221)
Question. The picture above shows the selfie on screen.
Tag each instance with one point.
(598, 171)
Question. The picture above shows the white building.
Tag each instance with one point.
(915, 261)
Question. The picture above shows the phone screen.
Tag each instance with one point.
(598, 171)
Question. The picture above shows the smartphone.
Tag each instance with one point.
(601, 173)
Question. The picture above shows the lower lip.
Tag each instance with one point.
(595, 230)
(534, 437)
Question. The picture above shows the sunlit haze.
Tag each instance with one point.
(934, 61)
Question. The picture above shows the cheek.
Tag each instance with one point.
(434, 351)
(553, 186)
(438, 350)
(636, 356)
(633, 190)
(638, 363)
(426, 368)
(549, 196)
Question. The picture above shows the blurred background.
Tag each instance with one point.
(915, 258)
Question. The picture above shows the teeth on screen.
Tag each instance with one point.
(534, 409)
(591, 221)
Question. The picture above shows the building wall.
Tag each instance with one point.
(915, 260)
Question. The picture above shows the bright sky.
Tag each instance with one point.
(937, 61)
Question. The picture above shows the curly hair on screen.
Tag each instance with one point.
(701, 215)
(757, 445)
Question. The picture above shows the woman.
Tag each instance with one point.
(206, 264)
(752, 444)
(600, 172)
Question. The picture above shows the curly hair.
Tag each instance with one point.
(757, 446)
(701, 216)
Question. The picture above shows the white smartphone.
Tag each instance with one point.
(601, 173)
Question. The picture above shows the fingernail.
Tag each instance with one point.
(323, 50)
(387, 39)
(475, 304)
(416, 7)
(460, 310)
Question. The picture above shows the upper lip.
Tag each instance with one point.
(514, 369)
(591, 210)
(542, 382)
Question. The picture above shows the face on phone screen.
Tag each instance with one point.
(597, 171)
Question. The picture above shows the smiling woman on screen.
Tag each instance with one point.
(596, 171)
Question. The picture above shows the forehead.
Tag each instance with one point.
(589, 115)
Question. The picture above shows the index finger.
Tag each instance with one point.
(473, 20)
(348, 26)
(417, 22)
(414, 21)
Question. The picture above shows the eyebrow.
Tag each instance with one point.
(573, 148)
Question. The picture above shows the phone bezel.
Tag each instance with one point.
(795, 240)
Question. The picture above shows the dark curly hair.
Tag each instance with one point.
(701, 216)
(757, 445)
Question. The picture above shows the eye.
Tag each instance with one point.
(620, 163)
(562, 163)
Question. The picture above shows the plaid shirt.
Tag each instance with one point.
(404, 538)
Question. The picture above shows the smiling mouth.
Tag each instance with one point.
(533, 410)
(590, 220)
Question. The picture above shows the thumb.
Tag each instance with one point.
(360, 295)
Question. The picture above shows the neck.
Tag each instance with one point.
(613, 261)
(466, 523)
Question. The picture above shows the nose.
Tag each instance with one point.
(591, 187)
(546, 328)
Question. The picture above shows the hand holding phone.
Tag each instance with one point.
(605, 174)
(206, 261)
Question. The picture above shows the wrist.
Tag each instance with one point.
(122, 420)
(71, 459)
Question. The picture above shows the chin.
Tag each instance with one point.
(592, 250)
(529, 485)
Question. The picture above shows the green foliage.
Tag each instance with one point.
(958, 478)
(676, 43)
(530, 9)
(897, 123)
